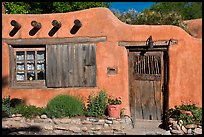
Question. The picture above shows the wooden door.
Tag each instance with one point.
(145, 79)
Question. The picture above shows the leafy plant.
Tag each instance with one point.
(51, 7)
(122, 112)
(97, 104)
(28, 111)
(195, 118)
(64, 106)
(116, 101)
(188, 107)
(6, 109)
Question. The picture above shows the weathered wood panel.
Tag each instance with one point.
(132, 95)
(145, 85)
(90, 66)
(76, 57)
(53, 66)
(53, 41)
(139, 109)
(144, 91)
(71, 65)
(157, 99)
(65, 66)
(81, 65)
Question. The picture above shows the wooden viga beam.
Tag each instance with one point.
(76, 27)
(16, 25)
(36, 26)
(56, 26)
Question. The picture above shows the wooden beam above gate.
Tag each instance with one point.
(143, 43)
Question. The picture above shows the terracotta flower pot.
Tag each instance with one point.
(114, 111)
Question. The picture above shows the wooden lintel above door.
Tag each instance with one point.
(143, 43)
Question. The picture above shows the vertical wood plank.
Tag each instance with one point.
(138, 99)
(51, 66)
(90, 66)
(76, 56)
(152, 104)
(58, 72)
(65, 65)
(149, 72)
(81, 65)
(131, 72)
(71, 66)
(157, 92)
(144, 88)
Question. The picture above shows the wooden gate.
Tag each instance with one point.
(146, 79)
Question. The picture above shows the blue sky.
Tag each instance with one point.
(125, 6)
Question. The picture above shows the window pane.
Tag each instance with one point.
(41, 75)
(20, 76)
(30, 55)
(40, 55)
(31, 75)
(30, 65)
(20, 66)
(40, 65)
(20, 55)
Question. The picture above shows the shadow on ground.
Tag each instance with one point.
(14, 131)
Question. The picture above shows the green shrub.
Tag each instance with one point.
(97, 104)
(28, 111)
(122, 112)
(64, 106)
(195, 118)
(6, 108)
(197, 113)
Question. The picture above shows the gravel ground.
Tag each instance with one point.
(147, 127)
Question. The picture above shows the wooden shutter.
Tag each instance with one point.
(71, 65)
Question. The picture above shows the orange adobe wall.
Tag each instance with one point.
(185, 57)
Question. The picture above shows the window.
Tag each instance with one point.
(29, 68)
(54, 66)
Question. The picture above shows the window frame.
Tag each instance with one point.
(26, 83)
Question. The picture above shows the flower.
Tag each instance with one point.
(116, 101)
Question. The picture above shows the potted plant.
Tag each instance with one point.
(114, 105)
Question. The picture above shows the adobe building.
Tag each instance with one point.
(151, 67)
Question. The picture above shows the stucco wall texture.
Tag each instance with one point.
(185, 67)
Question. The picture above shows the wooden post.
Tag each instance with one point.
(75, 28)
(56, 27)
(77, 23)
(56, 23)
(15, 24)
(36, 24)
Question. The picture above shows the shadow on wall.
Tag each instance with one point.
(4, 81)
